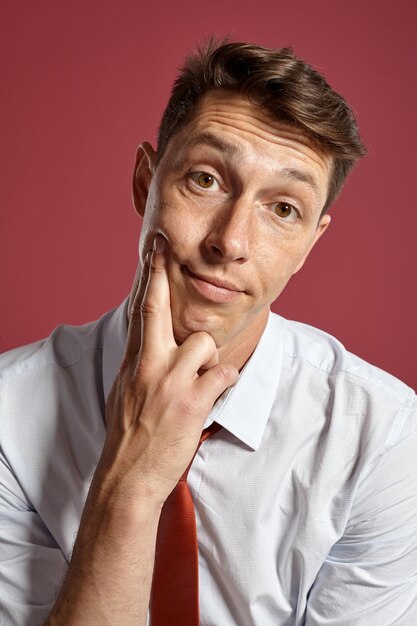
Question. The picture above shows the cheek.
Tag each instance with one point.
(276, 263)
(182, 228)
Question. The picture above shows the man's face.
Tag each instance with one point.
(238, 197)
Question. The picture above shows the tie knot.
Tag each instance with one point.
(207, 432)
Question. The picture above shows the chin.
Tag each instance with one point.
(187, 325)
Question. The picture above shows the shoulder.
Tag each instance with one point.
(352, 390)
(318, 349)
(65, 346)
(52, 399)
(51, 381)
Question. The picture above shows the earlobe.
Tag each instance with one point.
(145, 166)
(320, 230)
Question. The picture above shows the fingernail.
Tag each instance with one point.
(159, 243)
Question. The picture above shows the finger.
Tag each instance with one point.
(210, 385)
(198, 351)
(134, 332)
(156, 324)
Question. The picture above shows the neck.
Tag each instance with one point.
(241, 347)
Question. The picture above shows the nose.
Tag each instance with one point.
(229, 236)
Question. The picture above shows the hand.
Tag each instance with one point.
(155, 414)
(162, 394)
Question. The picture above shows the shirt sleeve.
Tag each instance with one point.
(370, 575)
(31, 564)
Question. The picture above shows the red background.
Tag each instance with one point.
(83, 82)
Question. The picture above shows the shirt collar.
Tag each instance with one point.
(243, 409)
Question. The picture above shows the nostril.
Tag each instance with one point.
(228, 244)
(216, 250)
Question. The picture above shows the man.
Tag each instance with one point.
(305, 498)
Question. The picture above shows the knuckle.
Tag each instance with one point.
(149, 307)
(155, 270)
(221, 374)
(205, 340)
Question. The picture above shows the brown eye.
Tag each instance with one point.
(205, 180)
(285, 210)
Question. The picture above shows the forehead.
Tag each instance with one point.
(243, 131)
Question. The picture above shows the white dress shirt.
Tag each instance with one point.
(306, 499)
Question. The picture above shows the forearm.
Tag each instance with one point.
(110, 573)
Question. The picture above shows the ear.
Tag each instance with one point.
(145, 166)
(320, 230)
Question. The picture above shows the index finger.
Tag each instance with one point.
(156, 325)
(134, 332)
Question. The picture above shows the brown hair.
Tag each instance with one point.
(279, 82)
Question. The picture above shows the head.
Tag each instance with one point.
(277, 82)
(253, 147)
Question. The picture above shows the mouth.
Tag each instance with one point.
(212, 288)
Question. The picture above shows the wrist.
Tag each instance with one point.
(123, 500)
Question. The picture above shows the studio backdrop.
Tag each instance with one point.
(84, 82)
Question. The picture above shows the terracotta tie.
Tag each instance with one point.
(174, 598)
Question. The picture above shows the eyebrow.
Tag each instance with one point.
(212, 140)
(289, 173)
(303, 177)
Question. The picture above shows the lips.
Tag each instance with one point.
(222, 284)
(212, 288)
